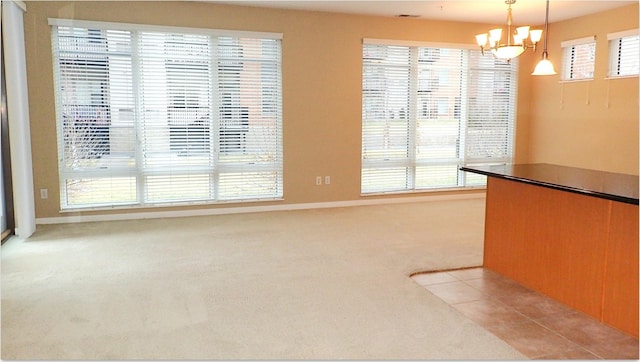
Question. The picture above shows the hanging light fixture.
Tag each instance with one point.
(516, 42)
(545, 67)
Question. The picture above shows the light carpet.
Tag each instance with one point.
(315, 284)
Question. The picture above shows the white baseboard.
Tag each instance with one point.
(247, 209)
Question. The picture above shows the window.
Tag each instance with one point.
(427, 111)
(151, 116)
(578, 58)
(624, 53)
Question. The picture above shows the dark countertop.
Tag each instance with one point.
(607, 185)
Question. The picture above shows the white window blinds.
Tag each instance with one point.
(578, 58)
(162, 116)
(624, 53)
(427, 111)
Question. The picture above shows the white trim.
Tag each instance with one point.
(162, 28)
(21, 5)
(610, 77)
(575, 80)
(579, 41)
(18, 111)
(412, 43)
(248, 209)
(408, 192)
(623, 34)
(161, 205)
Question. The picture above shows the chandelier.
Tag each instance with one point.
(516, 43)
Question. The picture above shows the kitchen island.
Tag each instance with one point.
(568, 233)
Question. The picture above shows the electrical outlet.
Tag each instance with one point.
(318, 180)
(327, 180)
(44, 194)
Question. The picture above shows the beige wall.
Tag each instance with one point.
(590, 124)
(322, 90)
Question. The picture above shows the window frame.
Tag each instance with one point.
(572, 51)
(216, 168)
(431, 107)
(615, 49)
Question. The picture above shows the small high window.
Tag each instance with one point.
(578, 58)
(624, 53)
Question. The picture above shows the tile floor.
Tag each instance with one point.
(535, 325)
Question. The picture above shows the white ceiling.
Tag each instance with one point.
(480, 11)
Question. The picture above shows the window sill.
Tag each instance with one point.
(575, 80)
(134, 207)
(622, 77)
(424, 191)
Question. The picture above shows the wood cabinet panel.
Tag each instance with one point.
(549, 240)
(620, 302)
